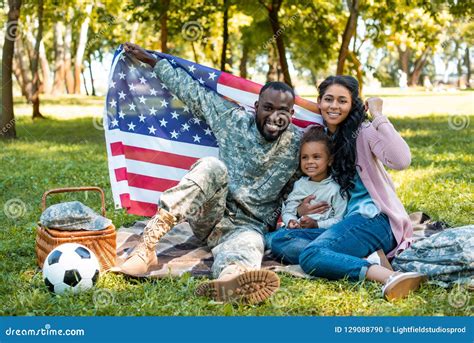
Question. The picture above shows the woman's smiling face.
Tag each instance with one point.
(335, 105)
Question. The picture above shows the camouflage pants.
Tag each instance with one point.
(200, 199)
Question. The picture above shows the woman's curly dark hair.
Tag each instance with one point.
(344, 139)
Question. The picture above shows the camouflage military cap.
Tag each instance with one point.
(73, 215)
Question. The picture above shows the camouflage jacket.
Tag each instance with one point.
(447, 257)
(258, 170)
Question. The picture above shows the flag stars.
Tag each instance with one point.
(197, 138)
(153, 75)
(174, 115)
(112, 84)
(164, 103)
(114, 122)
(174, 134)
(185, 127)
(121, 95)
(113, 103)
(142, 99)
(173, 62)
(132, 68)
(131, 127)
(201, 81)
(196, 120)
(186, 109)
(163, 122)
(153, 91)
(121, 76)
(132, 106)
(121, 115)
(122, 58)
(208, 131)
(152, 130)
(131, 86)
(143, 64)
(153, 111)
(192, 68)
(143, 80)
(163, 86)
(212, 76)
(142, 118)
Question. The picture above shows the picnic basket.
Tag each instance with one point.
(102, 243)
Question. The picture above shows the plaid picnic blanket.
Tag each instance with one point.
(179, 251)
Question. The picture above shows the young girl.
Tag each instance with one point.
(315, 163)
(375, 217)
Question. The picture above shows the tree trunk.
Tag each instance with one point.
(85, 83)
(47, 87)
(273, 74)
(196, 58)
(278, 34)
(225, 35)
(34, 65)
(81, 46)
(23, 61)
(58, 86)
(92, 77)
(349, 31)
(243, 61)
(164, 27)
(19, 76)
(7, 115)
(467, 61)
(67, 56)
(414, 77)
(404, 56)
(358, 67)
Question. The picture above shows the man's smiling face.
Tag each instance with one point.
(274, 109)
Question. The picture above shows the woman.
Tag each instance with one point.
(375, 217)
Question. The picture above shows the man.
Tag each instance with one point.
(230, 202)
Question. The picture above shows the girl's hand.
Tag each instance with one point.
(293, 224)
(306, 208)
(374, 106)
(307, 223)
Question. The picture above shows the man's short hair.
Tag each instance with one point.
(279, 86)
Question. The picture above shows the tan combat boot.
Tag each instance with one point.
(144, 254)
(235, 284)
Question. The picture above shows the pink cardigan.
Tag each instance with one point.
(378, 142)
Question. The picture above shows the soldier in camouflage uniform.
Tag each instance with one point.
(232, 201)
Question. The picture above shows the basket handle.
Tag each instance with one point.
(75, 189)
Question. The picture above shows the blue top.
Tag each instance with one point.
(360, 201)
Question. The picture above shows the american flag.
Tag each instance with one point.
(153, 139)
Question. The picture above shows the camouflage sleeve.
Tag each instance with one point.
(201, 100)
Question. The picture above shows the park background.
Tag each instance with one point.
(56, 56)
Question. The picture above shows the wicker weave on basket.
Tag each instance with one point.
(102, 243)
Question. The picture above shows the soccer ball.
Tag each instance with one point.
(70, 267)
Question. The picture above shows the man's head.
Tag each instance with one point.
(274, 109)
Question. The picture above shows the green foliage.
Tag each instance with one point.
(57, 153)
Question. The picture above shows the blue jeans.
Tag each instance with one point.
(336, 252)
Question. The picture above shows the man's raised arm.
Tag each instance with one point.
(201, 101)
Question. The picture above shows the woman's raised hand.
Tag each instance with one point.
(374, 106)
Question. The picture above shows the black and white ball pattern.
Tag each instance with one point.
(70, 267)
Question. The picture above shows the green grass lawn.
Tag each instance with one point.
(57, 152)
